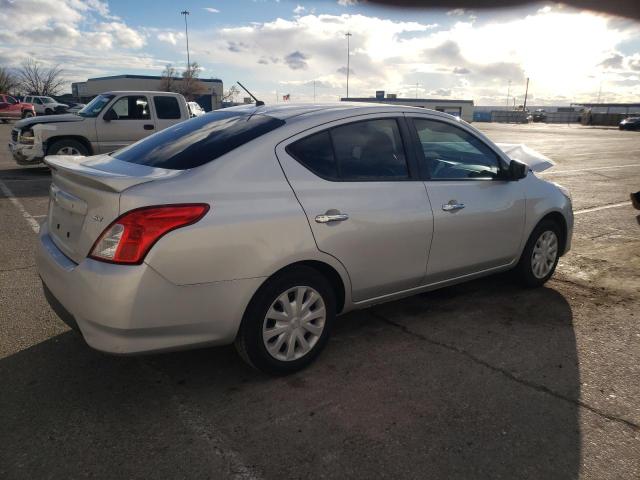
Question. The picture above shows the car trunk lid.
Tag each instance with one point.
(85, 197)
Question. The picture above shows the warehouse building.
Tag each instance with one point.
(459, 108)
(85, 91)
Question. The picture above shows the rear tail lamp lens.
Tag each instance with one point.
(130, 237)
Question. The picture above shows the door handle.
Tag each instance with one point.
(148, 126)
(332, 217)
(451, 206)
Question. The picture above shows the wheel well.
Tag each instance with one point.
(329, 273)
(559, 220)
(77, 138)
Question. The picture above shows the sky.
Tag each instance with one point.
(278, 47)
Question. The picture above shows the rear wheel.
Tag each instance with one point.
(540, 255)
(48, 111)
(27, 114)
(67, 147)
(288, 322)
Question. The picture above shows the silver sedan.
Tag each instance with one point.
(258, 225)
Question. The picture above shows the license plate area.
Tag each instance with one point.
(66, 217)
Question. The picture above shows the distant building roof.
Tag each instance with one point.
(606, 104)
(403, 100)
(150, 77)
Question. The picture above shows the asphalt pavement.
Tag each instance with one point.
(481, 380)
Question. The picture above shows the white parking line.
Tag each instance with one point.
(35, 226)
(604, 207)
(559, 172)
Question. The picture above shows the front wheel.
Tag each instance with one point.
(540, 255)
(27, 115)
(67, 147)
(288, 322)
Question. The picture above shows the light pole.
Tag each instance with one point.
(348, 35)
(508, 92)
(186, 31)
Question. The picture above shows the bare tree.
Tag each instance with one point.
(39, 80)
(8, 81)
(191, 86)
(169, 80)
(231, 94)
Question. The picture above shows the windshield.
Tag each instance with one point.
(198, 141)
(95, 106)
(48, 100)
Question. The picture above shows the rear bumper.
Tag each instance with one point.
(132, 309)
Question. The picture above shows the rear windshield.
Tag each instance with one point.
(198, 141)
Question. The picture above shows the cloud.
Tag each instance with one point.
(299, 9)
(211, 10)
(461, 71)
(296, 60)
(348, 3)
(441, 92)
(614, 61)
(170, 37)
(456, 12)
(123, 35)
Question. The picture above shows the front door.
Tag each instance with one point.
(130, 120)
(478, 217)
(366, 206)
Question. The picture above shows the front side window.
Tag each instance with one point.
(451, 153)
(198, 141)
(370, 150)
(11, 100)
(37, 101)
(167, 107)
(48, 100)
(131, 108)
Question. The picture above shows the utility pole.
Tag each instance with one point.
(348, 35)
(508, 92)
(526, 91)
(186, 31)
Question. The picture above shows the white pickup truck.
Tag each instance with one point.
(110, 121)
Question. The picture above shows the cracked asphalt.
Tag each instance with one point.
(480, 380)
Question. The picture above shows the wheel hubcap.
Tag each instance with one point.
(68, 151)
(294, 323)
(544, 254)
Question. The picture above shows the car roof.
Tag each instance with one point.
(306, 110)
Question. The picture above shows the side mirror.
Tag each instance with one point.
(110, 115)
(517, 170)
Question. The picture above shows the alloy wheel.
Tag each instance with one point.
(294, 323)
(545, 253)
(68, 151)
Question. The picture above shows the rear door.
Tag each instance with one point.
(478, 217)
(359, 188)
(13, 110)
(132, 121)
(167, 111)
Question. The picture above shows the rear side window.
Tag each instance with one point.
(316, 153)
(198, 141)
(360, 151)
(167, 108)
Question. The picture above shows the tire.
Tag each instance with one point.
(258, 342)
(541, 254)
(48, 111)
(4, 120)
(27, 115)
(67, 146)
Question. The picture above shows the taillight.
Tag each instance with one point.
(130, 237)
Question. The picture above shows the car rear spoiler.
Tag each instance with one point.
(105, 172)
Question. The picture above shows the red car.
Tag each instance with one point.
(12, 109)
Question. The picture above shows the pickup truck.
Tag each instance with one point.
(109, 122)
(12, 109)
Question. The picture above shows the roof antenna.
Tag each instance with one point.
(259, 103)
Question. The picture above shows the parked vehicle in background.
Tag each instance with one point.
(259, 225)
(75, 107)
(540, 115)
(195, 109)
(13, 109)
(631, 123)
(110, 121)
(46, 105)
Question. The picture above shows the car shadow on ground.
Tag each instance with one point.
(473, 381)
